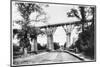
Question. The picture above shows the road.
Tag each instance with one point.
(46, 57)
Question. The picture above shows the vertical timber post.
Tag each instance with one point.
(68, 30)
(50, 31)
(35, 44)
(50, 42)
(49, 39)
(32, 45)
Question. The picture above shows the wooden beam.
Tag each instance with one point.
(65, 23)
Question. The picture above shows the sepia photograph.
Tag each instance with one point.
(52, 33)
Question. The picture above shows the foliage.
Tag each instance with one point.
(41, 47)
(15, 48)
(85, 43)
(73, 13)
(25, 10)
(56, 46)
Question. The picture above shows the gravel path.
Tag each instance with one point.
(46, 57)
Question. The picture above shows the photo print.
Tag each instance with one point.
(52, 33)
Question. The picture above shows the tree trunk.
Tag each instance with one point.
(82, 10)
(32, 45)
(21, 50)
(25, 51)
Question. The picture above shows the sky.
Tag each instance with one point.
(56, 14)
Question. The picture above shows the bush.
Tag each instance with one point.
(85, 43)
(56, 46)
(16, 48)
(41, 47)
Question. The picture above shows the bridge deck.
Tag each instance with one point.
(64, 23)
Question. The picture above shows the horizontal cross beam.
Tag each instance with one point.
(62, 24)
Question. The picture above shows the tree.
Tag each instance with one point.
(82, 13)
(85, 43)
(27, 31)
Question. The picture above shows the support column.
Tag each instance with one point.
(35, 44)
(68, 29)
(50, 31)
(50, 42)
(32, 45)
(68, 39)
